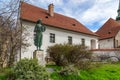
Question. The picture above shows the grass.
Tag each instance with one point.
(56, 68)
(104, 72)
(2, 77)
(98, 72)
(3, 74)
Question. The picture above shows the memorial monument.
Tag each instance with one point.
(38, 36)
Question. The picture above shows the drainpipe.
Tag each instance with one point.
(114, 42)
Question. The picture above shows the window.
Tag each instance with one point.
(46, 16)
(69, 40)
(74, 24)
(116, 43)
(52, 38)
(83, 41)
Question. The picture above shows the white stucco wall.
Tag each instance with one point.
(106, 43)
(100, 55)
(118, 38)
(61, 36)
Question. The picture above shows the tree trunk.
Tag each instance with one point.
(11, 58)
(4, 56)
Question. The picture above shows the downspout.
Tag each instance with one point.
(21, 29)
(114, 42)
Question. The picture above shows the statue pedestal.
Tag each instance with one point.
(39, 55)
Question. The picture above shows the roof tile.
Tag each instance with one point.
(33, 13)
(109, 29)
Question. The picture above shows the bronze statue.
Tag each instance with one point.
(39, 28)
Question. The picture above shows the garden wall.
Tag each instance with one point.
(106, 55)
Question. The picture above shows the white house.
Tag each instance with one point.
(59, 29)
(109, 35)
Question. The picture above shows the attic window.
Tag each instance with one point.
(74, 24)
(46, 16)
(109, 32)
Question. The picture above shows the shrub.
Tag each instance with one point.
(85, 65)
(69, 70)
(78, 53)
(57, 53)
(65, 54)
(29, 70)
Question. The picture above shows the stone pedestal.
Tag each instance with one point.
(40, 56)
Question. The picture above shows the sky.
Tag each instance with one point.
(91, 13)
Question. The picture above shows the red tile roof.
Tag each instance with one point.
(109, 29)
(33, 13)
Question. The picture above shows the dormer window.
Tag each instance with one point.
(74, 24)
(46, 16)
(109, 32)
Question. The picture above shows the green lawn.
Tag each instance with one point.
(3, 73)
(2, 77)
(98, 72)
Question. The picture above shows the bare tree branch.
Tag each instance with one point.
(11, 38)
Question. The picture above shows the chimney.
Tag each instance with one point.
(51, 10)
